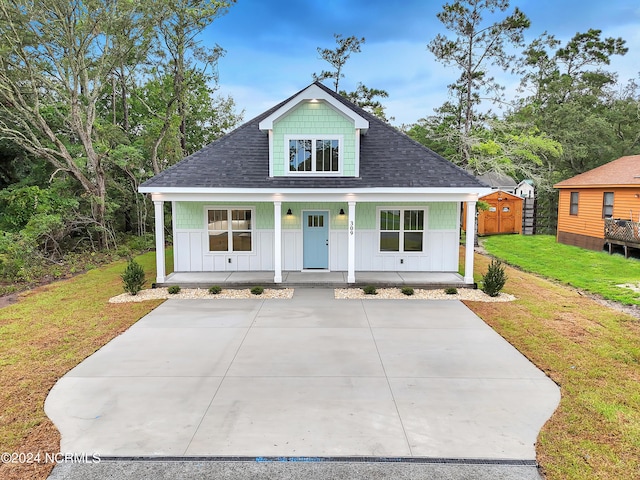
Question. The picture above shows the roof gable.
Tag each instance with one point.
(240, 159)
(313, 93)
(623, 171)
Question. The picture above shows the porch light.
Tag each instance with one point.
(289, 212)
(341, 211)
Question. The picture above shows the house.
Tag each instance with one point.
(315, 183)
(504, 214)
(525, 189)
(601, 206)
(498, 181)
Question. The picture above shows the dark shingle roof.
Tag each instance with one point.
(388, 158)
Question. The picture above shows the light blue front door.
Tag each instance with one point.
(315, 233)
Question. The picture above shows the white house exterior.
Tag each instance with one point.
(315, 183)
(525, 189)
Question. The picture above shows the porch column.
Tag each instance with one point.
(277, 242)
(159, 222)
(351, 252)
(468, 248)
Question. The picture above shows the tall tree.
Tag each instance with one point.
(362, 96)
(338, 57)
(569, 95)
(476, 47)
(55, 59)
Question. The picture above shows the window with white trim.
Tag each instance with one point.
(401, 230)
(314, 154)
(573, 203)
(607, 205)
(230, 229)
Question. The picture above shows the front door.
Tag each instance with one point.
(315, 233)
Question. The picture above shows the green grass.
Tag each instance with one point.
(593, 353)
(594, 272)
(45, 334)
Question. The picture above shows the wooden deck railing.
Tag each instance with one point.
(622, 230)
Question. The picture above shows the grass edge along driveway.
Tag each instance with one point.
(589, 350)
(44, 335)
(593, 353)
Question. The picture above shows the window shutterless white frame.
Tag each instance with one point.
(574, 202)
(313, 139)
(607, 204)
(230, 228)
(401, 230)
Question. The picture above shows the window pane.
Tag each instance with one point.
(217, 220)
(334, 155)
(241, 219)
(389, 219)
(389, 241)
(573, 208)
(241, 241)
(413, 242)
(218, 242)
(607, 205)
(414, 219)
(299, 155)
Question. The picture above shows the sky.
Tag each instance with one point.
(271, 46)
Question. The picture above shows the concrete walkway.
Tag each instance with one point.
(310, 376)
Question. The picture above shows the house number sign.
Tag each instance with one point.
(351, 227)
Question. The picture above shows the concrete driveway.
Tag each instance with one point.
(310, 376)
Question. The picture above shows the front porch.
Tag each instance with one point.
(432, 280)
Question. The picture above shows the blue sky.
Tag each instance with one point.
(271, 46)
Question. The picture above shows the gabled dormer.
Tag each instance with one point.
(314, 134)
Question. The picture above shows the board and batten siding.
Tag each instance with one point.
(441, 238)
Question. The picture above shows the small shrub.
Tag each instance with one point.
(133, 277)
(173, 289)
(495, 279)
(370, 290)
(451, 290)
(215, 290)
(257, 290)
(407, 291)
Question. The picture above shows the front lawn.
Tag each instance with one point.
(592, 352)
(594, 272)
(48, 332)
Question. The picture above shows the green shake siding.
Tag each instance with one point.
(190, 215)
(441, 216)
(314, 119)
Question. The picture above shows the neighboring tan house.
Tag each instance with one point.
(601, 206)
(314, 183)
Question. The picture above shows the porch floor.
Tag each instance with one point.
(315, 278)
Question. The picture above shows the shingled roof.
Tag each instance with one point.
(620, 172)
(388, 158)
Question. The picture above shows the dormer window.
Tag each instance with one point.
(314, 154)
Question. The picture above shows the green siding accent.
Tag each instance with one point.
(441, 215)
(314, 119)
(294, 221)
(190, 215)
